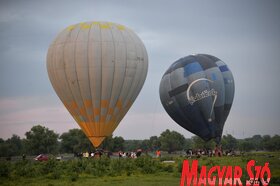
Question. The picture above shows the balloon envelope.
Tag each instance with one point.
(197, 92)
(97, 69)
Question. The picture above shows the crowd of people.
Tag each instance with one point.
(130, 154)
(218, 152)
(95, 154)
(99, 153)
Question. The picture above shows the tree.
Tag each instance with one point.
(145, 145)
(199, 143)
(171, 141)
(132, 145)
(108, 143)
(41, 140)
(276, 141)
(75, 141)
(15, 145)
(271, 143)
(245, 145)
(154, 143)
(118, 143)
(257, 142)
(229, 142)
(188, 144)
(11, 147)
(4, 148)
(266, 142)
(113, 144)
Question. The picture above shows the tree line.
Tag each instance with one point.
(43, 140)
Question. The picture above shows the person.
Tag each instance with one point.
(98, 153)
(209, 152)
(120, 154)
(124, 154)
(198, 154)
(109, 154)
(218, 151)
(158, 153)
(133, 155)
(23, 156)
(189, 153)
(138, 153)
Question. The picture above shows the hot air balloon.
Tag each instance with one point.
(197, 92)
(97, 70)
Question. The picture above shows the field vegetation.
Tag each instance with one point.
(144, 170)
(18, 167)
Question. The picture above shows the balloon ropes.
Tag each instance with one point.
(97, 70)
(197, 92)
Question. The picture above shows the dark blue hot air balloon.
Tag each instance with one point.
(197, 92)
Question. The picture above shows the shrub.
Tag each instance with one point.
(89, 168)
(74, 176)
(116, 167)
(56, 174)
(49, 166)
(168, 168)
(74, 166)
(101, 166)
(129, 166)
(26, 169)
(147, 165)
(5, 169)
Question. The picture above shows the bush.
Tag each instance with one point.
(168, 168)
(56, 174)
(147, 165)
(5, 169)
(74, 166)
(102, 167)
(116, 167)
(129, 166)
(49, 166)
(74, 176)
(26, 169)
(89, 169)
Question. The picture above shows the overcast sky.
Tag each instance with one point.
(244, 34)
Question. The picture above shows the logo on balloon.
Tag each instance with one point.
(202, 95)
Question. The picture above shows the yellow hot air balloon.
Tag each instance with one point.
(97, 69)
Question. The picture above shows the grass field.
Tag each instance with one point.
(162, 179)
(133, 172)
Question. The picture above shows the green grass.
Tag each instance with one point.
(126, 172)
(161, 179)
